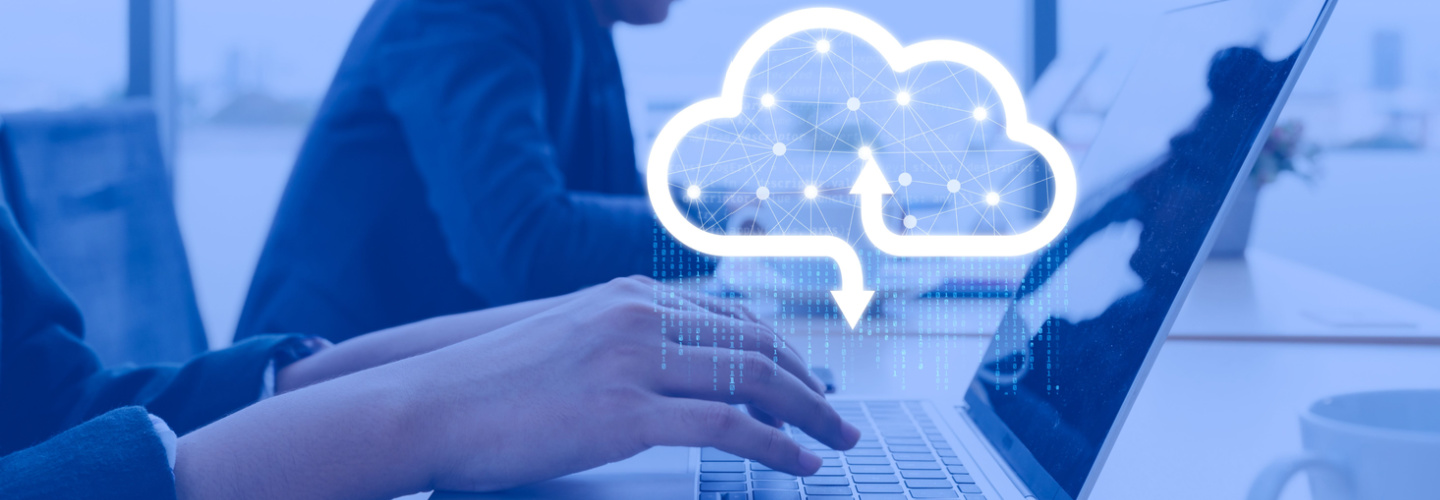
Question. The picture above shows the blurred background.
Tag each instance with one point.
(235, 84)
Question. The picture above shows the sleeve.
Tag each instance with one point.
(468, 91)
(116, 455)
(50, 381)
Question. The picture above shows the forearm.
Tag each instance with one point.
(346, 438)
(393, 344)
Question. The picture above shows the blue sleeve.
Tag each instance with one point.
(51, 381)
(465, 81)
(116, 455)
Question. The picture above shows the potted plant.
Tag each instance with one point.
(1284, 152)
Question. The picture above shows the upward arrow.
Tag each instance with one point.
(871, 181)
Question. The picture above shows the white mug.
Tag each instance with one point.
(1365, 446)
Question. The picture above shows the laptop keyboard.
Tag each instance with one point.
(901, 455)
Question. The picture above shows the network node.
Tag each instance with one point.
(779, 149)
(822, 46)
(910, 221)
(981, 114)
(762, 193)
(767, 100)
(853, 104)
(992, 198)
(811, 192)
(953, 186)
(866, 153)
(905, 179)
(903, 98)
(692, 192)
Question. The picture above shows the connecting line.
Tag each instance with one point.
(852, 297)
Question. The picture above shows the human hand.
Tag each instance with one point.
(577, 386)
(583, 385)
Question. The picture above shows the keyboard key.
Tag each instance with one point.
(914, 457)
(933, 494)
(879, 488)
(776, 495)
(951, 461)
(865, 452)
(905, 440)
(722, 486)
(868, 460)
(770, 475)
(945, 452)
(826, 481)
(969, 488)
(883, 496)
(963, 478)
(710, 496)
(830, 471)
(910, 449)
(975, 497)
(871, 469)
(722, 477)
(714, 455)
(957, 469)
(826, 453)
(736, 496)
(927, 483)
(830, 462)
(827, 490)
(874, 479)
(917, 465)
(774, 485)
(722, 467)
(922, 474)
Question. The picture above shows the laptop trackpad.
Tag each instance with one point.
(657, 473)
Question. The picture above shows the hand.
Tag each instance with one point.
(582, 385)
(575, 387)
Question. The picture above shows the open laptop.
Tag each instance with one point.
(1046, 404)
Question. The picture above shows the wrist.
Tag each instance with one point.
(353, 437)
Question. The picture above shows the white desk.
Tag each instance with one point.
(1223, 398)
(1210, 415)
(1262, 297)
(1270, 298)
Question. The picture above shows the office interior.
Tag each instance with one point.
(1334, 290)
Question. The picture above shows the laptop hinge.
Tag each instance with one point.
(964, 411)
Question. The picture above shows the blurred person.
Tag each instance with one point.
(477, 401)
(469, 154)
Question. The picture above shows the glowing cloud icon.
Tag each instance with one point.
(871, 186)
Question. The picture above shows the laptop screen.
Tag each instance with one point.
(1088, 313)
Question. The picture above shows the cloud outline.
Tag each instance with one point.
(852, 298)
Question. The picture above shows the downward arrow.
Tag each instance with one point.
(852, 304)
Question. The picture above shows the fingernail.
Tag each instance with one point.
(809, 462)
(850, 433)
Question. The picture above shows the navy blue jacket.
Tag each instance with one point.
(70, 428)
(469, 153)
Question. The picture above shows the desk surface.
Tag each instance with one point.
(1262, 297)
(1210, 416)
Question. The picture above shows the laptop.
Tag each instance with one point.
(1046, 404)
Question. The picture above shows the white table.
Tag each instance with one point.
(1223, 398)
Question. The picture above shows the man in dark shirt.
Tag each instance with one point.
(468, 155)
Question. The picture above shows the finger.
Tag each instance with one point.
(714, 303)
(755, 337)
(691, 422)
(761, 384)
(764, 418)
(717, 305)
